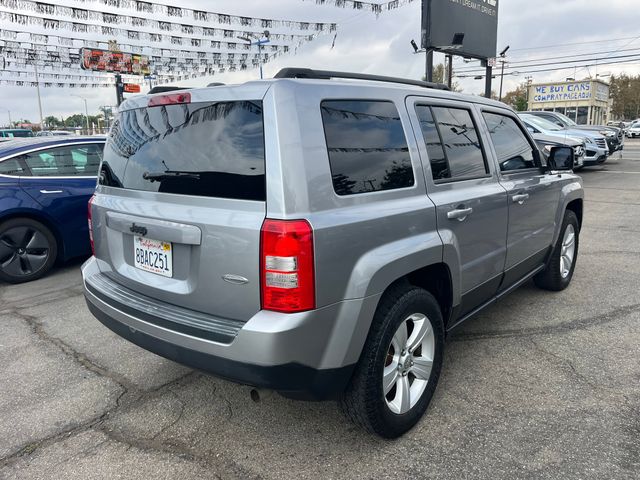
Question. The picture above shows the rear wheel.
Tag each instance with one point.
(559, 271)
(28, 250)
(400, 365)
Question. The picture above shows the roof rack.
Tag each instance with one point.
(328, 74)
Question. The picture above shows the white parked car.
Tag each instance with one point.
(634, 130)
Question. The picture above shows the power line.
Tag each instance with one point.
(557, 69)
(542, 47)
(596, 59)
(518, 62)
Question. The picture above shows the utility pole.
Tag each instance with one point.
(35, 67)
(501, 79)
(450, 71)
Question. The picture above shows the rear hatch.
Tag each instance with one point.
(180, 203)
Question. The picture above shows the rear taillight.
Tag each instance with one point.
(286, 266)
(171, 99)
(89, 216)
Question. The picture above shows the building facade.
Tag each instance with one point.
(586, 102)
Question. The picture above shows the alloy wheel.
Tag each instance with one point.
(568, 251)
(23, 251)
(408, 363)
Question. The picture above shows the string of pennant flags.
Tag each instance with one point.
(68, 45)
(373, 7)
(196, 36)
(188, 18)
(180, 43)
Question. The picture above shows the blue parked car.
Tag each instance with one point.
(45, 184)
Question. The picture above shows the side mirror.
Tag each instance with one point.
(561, 158)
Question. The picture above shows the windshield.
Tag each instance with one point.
(566, 120)
(541, 123)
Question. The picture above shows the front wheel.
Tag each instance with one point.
(400, 364)
(559, 271)
(28, 250)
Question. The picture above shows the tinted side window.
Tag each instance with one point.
(71, 161)
(11, 167)
(367, 146)
(461, 143)
(435, 149)
(512, 148)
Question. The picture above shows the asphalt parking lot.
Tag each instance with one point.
(539, 386)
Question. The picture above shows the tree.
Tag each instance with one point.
(625, 93)
(438, 77)
(52, 122)
(76, 120)
(517, 98)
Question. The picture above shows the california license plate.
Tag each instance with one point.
(153, 256)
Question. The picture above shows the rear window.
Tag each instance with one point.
(203, 149)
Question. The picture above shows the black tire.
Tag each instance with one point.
(551, 278)
(28, 250)
(364, 402)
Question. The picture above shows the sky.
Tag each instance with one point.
(380, 45)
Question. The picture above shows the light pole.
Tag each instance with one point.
(529, 80)
(86, 110)
(259, 42)
(9, 112)
(503, 53)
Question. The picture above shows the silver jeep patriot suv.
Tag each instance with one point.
(318, 234)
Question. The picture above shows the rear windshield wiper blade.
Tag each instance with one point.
(158, 176)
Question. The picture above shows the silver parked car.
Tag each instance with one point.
(597, 150)
(320, 237)
(548, 142)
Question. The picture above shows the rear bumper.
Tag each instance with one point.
(306, 355)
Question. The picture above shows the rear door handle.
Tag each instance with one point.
(520, 199)
(459, 214)
(50, 191)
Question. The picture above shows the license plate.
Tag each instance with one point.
(153, 256)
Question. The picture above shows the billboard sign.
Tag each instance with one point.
(131, 88)
(468, 28)
(114, 62)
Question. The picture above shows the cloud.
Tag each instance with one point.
(366, 43)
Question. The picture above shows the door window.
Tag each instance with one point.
(69, 161)
(454, 149)
(11, 167)
(512, 147)
(367, 147)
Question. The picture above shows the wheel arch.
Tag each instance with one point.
(577, 206)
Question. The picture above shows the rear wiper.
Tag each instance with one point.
(159, 176)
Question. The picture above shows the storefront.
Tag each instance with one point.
(585, 102)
